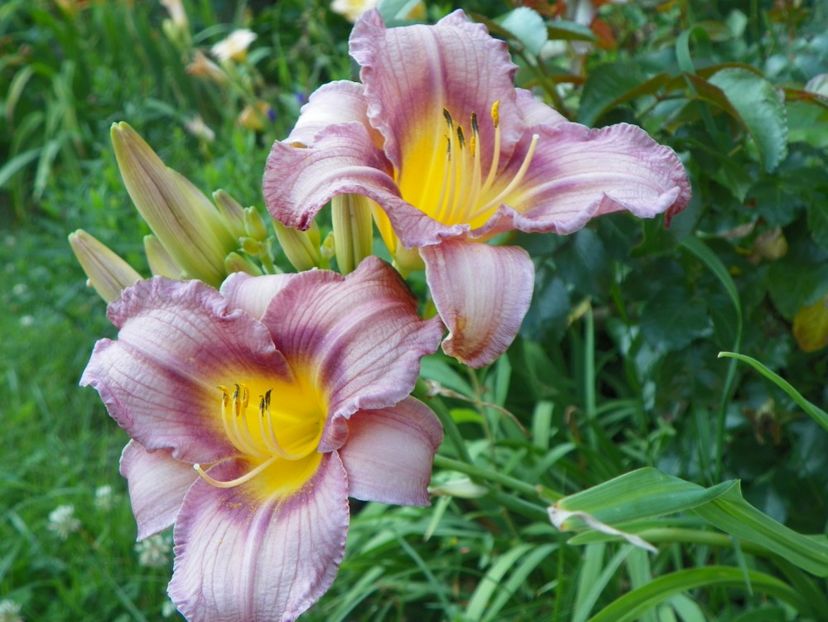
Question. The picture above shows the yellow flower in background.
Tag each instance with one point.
(234, 46)
(255, 116)
(810, 326)
(352, 10)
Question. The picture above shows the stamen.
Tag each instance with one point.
(495, 113)
(239, 480)
(527, 160)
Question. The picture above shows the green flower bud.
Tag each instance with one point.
(236, 263)
(463, 488)
(182, 218)
(106, 271)
(160, 261)
(353, 230)
(232, 212)
(300, 247)
(254, 225)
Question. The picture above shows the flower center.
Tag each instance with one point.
(276, 427)
(442, 173)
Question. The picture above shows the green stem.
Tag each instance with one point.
(486, 475)
(450, 428)
(698, 536)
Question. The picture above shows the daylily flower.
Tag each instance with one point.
(453, 154)
(254, 413)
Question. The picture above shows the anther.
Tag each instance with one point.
(474, 126)
(495, 112)
(460, 138)
(447, 116)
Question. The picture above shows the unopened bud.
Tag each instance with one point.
(160, 261)
(300, 247)
(232, 212)
(254, 225)
(353, 230)
(236, 263)
(463, 488)
(407, 260)
(182, 218)
(251, 246)
(106, 271)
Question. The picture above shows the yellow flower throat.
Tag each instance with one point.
(442, 173)
(275, 426)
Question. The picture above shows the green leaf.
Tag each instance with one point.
(631, 605)
(813, 411)
(569, 31)
(762, 110)
(526, 26)
(649, 493)
(517, 578)
(395, 12)
(670, 319)
(11, 167)
(818, 222)
(491, 581)
(613, 84)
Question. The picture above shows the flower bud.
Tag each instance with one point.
(254, 225)
(407, 260)
(160, 261)
(232, 212)
(236, 263)
(203, 67)
(463, 488)
(106, 271)
(353, 230)
(300, 247)
(181, 217)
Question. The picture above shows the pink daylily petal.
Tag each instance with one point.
(157, 485)
(177, 342)
(360, 333)
(578, 174)
(482, 293)
(239, 557)
(332, 104)
(535, 112)
(389, 452)
(252, 294)
(412, 74)
(298, 182)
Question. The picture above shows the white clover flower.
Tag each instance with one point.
(103, 498)
(168, 608)
(62, 521)
(9, 611)
(234, 46)
(198, 128)
(154, 551)
(26, 320)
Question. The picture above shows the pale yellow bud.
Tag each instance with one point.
(352, 229)
(300, 247)
(179, 214)
(160, 261)
(106, 271)
(236, 263)
(232, 212)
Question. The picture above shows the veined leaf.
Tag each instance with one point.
(631, 605)
(762, 109)
(647, 493)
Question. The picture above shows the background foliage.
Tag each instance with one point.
(616, 368)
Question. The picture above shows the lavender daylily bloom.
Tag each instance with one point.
(438, 136)
(254, 413)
